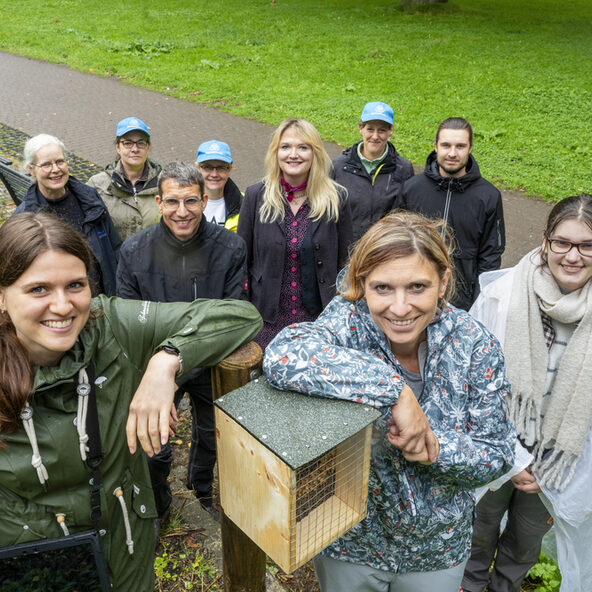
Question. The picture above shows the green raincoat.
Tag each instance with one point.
(119, 343)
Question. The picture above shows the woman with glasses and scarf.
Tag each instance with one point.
(541, 311)
(297, 227)
(78, 204)
(128, 186)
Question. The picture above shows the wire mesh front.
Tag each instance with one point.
(330, 497)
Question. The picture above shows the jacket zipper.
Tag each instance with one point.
(447, 206)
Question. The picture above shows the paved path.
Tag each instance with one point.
(83, 110)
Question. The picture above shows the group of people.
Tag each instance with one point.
(355, 276)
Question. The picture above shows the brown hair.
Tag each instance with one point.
(23, 237)
(455, 123)
(399, 234)
(574, 207)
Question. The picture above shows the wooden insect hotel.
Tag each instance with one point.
(293, 469)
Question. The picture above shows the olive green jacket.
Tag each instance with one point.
(119, 343)
(130, 211)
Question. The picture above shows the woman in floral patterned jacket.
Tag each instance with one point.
(390, 340)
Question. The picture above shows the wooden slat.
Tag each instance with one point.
(255, 488)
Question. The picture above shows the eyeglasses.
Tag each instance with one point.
(190, 203)
(141, 144)
(221, 168)
(561, 246)
(47, 166)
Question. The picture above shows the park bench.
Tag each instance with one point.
(16, 183)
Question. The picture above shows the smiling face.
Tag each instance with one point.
(294, 158)
(49, 305)
(50, 170)
(375, 135)
(453, 149)
(183, 222)
(570, 270)
(402, 295)
(215, 173)
(133, 157)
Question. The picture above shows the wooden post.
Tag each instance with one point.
(243, 561)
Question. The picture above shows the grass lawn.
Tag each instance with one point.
(520, 71)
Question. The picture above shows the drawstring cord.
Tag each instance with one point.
(61, 518)
(118, 493)
(83, 391)
(36, 460)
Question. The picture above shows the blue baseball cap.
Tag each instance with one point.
(214, 150)
(377, 110)
(131, 124)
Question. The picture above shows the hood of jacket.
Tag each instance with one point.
(91, 204)
(432, 171)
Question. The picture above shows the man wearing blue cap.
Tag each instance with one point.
(372, 170)
(224, 197)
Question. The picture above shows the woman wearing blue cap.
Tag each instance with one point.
(214, 161)
(372, 170)
(128, 185)
(297, 227)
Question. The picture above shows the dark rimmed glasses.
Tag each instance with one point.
(221, 168)
(560, 246)
(141, 144)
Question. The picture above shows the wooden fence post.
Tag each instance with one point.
(243, 561)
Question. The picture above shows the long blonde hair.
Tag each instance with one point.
(323, 192)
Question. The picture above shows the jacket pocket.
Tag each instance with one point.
(23, 521)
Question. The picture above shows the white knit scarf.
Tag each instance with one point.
(568, 417)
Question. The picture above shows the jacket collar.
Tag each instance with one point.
(432, 171)
(91, 204)
(149, 176)
(354, 164)
(203, 232)
(232, 198)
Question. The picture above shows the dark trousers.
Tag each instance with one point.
(202, 455)
(519, 546)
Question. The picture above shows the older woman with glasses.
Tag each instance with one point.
(128, 186)
(78, 204)
(541, 312)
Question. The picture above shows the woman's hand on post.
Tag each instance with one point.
(409, 430)
(150, 409)
(526, 481)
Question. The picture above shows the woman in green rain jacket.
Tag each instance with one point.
(52, 337)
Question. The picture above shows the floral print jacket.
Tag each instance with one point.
(419, 517)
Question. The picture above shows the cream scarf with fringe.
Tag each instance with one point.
(568, 417)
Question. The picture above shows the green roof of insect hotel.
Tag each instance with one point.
(297, 428)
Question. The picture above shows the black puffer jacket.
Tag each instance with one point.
(373, 195)
(155, 265)
(472, 207)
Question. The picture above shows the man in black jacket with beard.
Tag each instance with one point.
(451, 187)
(182, 258)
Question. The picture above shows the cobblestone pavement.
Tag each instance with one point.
(83, 111)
